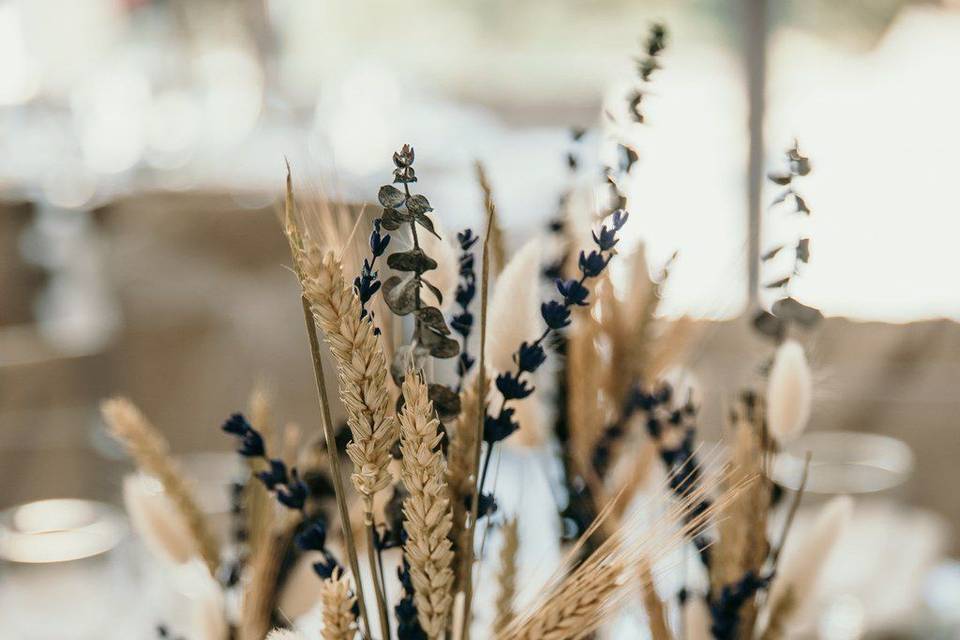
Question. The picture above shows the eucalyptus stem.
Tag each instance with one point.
(334, 457)
(418, 303)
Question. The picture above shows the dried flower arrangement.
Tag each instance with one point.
(422, 436)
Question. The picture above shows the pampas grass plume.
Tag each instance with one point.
(789, 392)
(801, 564)
(514, 313)
(157, 521)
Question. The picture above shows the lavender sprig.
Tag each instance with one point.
(680, 458)
(725, 608)
(556, 315)
(367, 283)
(462, 322)
(288, 488)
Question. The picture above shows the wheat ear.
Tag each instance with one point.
(427, 517)
(151, 452)
(362, 369)
(507, 576)
(339, 622)
(574, 606)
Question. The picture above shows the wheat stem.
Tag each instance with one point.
(507, 576)
(334, 457)
(377, 586)
(481, 413)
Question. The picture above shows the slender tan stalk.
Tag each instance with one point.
(334, 457)
(460, 456)
(498, 252)
(507, 577)
(671, 347)
(378, 590)
(151, 452)
(743, 544)
(656, 615)
(339, 623)
(258, 503)
(329, 435)
(260, 595)
(363, 389)
(585, 404)
(426, 511)
(780, 614)
(467, 584)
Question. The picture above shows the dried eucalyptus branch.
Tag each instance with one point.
(787, 311)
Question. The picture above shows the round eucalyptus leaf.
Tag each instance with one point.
(391, 197)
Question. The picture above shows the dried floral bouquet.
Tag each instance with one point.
(439, 364)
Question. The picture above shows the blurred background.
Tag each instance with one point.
(142, 148)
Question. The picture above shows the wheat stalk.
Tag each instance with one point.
(259, 506)
(573, 607)
(467, 551)
(362, 369)
(151, 452)
(498, 253)
(743, 544)
(427, 516)
(460, 480)
(507, 576)
(339, 623)
(260, 594)
(309, 265)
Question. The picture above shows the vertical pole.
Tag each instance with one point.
(755, 63)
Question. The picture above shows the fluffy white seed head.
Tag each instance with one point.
(789, 393)
(157, 520)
